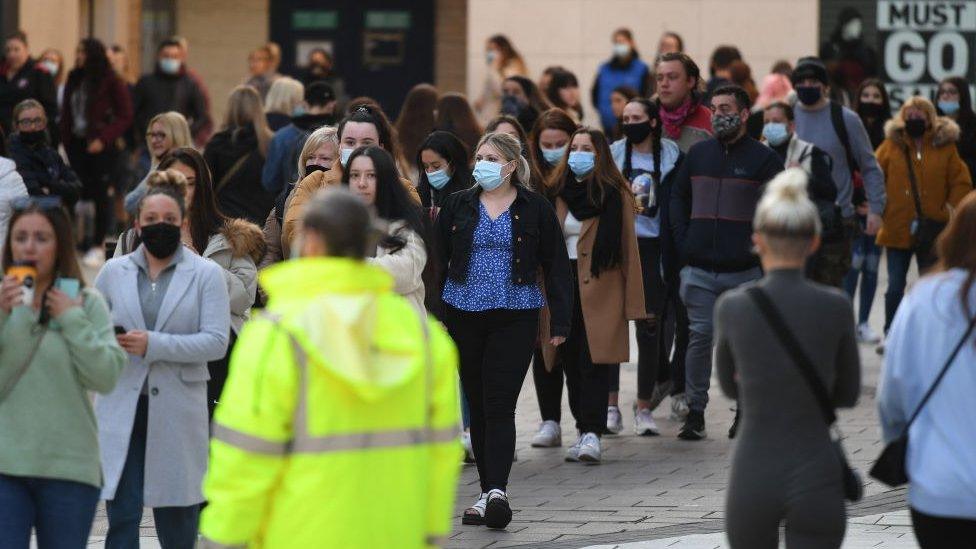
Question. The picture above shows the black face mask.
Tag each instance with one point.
(915, 127)
(161, 239)
(637, 133)
(870, 110)
(512, 106)
(316, 168)
(33, 138)
(808, 95)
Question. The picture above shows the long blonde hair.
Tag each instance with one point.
(176, 128)
(321, 136)
(244, 107)
(285, 94)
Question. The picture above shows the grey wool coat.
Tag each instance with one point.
(192, 328)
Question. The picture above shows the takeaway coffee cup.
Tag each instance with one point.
(26, 274)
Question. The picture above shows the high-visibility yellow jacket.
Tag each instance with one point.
(338, 425)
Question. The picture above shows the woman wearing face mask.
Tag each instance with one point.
(318, 154)
(285, 99)
(61, 346)
(443, 160)
(919, 145)
(522, 99)
(625, 68)
(956, 103)
(167, 131)
(52, 61)
(596, 209)
(365, 125)
(548, 146)
(152, 429)
(648, 161)
(40, 165)
(493, 239)
(97, 111)
(503, 61)
(403, 251)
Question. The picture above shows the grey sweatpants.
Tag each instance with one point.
(699, 291)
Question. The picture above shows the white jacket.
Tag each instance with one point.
(11, 188)
(406, 266)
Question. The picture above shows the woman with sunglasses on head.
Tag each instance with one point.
(54, 349)
(172, 311)
(498, 242)
(596, 209)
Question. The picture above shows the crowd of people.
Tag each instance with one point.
(277, 281)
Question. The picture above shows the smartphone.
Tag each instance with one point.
(70, 286)
(119, 330)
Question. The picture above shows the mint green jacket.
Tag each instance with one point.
(46, 422)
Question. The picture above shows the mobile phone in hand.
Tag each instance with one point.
(70, 286)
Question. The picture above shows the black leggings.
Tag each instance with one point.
(938, 532)
(95, 172)
(495, 348)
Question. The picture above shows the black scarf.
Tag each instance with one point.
(607, 247)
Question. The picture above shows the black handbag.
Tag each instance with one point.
(890, 466)
(924, 230)
(853, 486)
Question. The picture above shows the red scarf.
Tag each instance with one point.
(674, 119)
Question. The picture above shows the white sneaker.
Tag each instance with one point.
(679, 407)
(94, 258)
(866, 335)
(661, 391)
(589, 448)
(615, 421)
(572, 453)
(466, 443)
(644, 425)
(549, 435)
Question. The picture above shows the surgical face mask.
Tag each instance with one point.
(169, 65)
(852, 30)
(581, 162)
(776, 133)
(297, 244)
(344, 155)
(51, 67)
(621, 50)
(488, 174)
(490, 56)
(949, 107)
(808, 95)
(438, 179)
(726, 126)
(915, 127)
(299, 110)
(553, 156)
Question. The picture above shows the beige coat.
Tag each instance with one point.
(406, 266)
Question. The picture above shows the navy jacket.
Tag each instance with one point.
(713, 201)
(43, 171)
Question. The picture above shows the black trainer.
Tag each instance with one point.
(497, 513)
(694, 427)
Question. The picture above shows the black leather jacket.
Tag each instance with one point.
(538, 242)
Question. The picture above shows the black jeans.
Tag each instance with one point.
(95, 172)
(218, 375)
(588, 383)
(548, 387)
(495, 348)
(938, 532)
(650, 348)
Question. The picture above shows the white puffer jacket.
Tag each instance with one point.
(11, 188)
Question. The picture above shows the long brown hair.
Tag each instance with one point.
(454, 115)
(955, 247)
(245, 108)
(508, 53)
(552, 119)
(605, 173)
(205, 217)
(416, 118)
(66, 259)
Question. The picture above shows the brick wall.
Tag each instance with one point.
(450, 45)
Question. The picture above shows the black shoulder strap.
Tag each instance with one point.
(914, 182)
(837, 119)
(792, 346)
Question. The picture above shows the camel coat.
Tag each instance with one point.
(609, 301)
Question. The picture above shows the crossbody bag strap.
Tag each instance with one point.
(792, 346)
(942, 373)
(231, 172)
(916, 197)
(840, 128)
(19, 373)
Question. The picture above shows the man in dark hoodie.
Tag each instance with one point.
(22, 78)
(170, 88)
(712, 205)
(281, 168)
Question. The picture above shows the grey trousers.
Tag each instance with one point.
(699, 291)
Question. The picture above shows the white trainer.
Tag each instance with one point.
(572, 453)
(866, 335)
(644, 425)
(549, 435)
(679, 407)
(615, 421)
(589, 448)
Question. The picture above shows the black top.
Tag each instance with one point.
(537, 242)
(157, 92)
(30, 82)
(238, 186)
(43, 171)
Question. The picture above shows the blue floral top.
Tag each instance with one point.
(489, 284)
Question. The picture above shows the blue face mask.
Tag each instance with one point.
(299, 110)
(438, 179)
(776, 133)
(553, 156)
(488, 174)
(169, 65)
(344, 155)
(949, 107)
(581, 162)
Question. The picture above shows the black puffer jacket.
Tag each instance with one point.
(235, 164)
(43, 170)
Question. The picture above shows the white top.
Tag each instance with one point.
(571, 230)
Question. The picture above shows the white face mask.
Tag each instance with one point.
(852, 30)
(297, 244)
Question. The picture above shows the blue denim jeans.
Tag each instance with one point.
(60, 511)
(865, 260)
(898, 263)
(176, 527)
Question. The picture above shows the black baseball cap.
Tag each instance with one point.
(319, 94)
